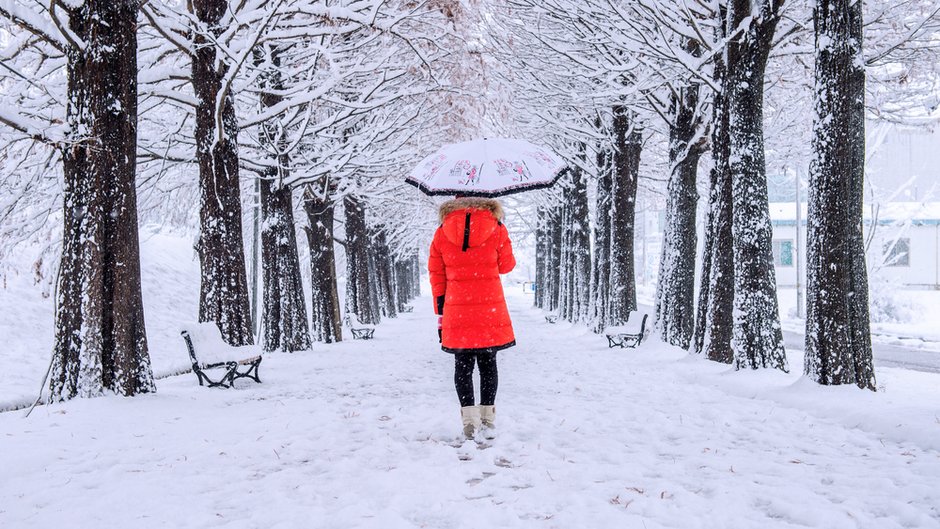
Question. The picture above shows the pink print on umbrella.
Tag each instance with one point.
(466, 172)
(433, 166)
(517, 170)
(542, 158)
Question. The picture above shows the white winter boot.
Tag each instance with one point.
(488, 421)
(470, 415)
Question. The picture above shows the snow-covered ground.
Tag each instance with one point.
(365, 434)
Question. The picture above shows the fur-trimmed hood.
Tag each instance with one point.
(485, 204)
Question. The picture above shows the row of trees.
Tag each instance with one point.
(321, 106)
(690, 82)
(318, 100)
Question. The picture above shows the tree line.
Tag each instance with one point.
(322, 106)
(688, 82)
(306, 99)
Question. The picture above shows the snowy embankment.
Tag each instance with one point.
(364, 434)
(170, 279)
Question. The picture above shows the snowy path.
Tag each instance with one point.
(360, 434)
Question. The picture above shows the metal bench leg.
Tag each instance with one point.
(225, 382)
(251, 372)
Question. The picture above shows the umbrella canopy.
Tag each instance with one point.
(487, 168)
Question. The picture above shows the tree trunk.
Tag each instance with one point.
(714, 323)
(838, 338)
(628, 144)
(324, 294)
(384, 271)
(285, 312)
(565, 275)
(541, 258)
(404, 280)
(758, 339)
(600, 276)
(416, 280)
(579, 248)
(675, 290)
(716, 296)
(359, 287)
(548, 288)
(100, 339)
(556, 236)
(223, 295)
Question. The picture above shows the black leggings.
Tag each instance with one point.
(463, 377)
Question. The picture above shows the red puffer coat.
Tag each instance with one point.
(470, 250)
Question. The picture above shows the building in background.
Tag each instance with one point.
(902, 213)
(902, 238)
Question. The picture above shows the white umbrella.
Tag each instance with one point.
(487, 168)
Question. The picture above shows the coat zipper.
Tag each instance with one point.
(466, 234)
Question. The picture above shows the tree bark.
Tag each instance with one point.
(555, 258)
(416, 279)
(100, 338)
(565, 275)
(580, 246)
(404, 280)
(324, 294)
(758, 338)
(549, 263)
(541, 258)
(575, 254)
(285, 311)
(384, 272)
(675, 290)
(714, 322)
(838, 338)
(223, 295)
(600, 276)
(360, 299)
(628, 145)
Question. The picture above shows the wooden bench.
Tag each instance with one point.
(214, 353)
(551, 318)
(627, 335)
(407, 308)
(359, 333)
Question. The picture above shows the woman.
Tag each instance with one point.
(470, 250)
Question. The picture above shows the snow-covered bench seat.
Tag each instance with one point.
(208, 350)
(407, 308)
(551, 318)
(359, 333)
(629, 334)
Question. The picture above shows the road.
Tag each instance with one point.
(885, 355)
